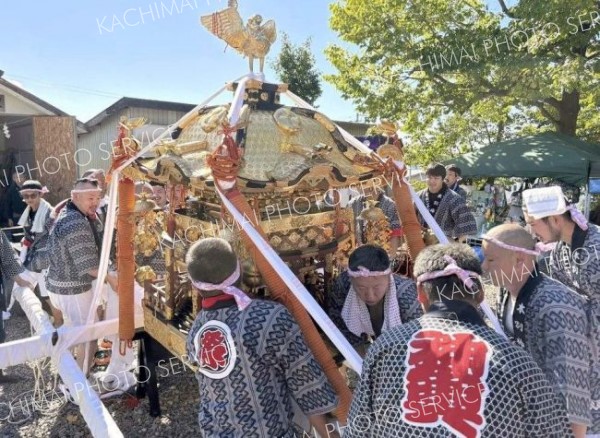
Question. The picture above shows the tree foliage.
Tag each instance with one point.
(458, 75)
(295, 66)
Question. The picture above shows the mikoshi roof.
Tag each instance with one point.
(543, 155)
(282, 146)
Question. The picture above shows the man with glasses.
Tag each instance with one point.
(74, 247)
(36, 225)
(447, 207)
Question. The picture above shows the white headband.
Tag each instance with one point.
(364, 272)
(75, 191)
(242, 300)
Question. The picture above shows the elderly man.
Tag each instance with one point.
(543, 316)
(368, 299)
(575, 260)
(453, 178)
(74, 246)
(253, 363)
(447, 207)
(99, 174)
(36, 223)
(447, 374)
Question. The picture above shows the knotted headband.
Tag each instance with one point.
(242, 300)
(364, 272)
(451, 269)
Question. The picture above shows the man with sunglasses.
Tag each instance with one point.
(36, 225)
(74, 247)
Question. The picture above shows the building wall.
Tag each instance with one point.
(21, 142)
(94, 147)
(355, 129)
(98, 142)
(54, 144)
(16, 104)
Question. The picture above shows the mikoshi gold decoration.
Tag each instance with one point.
(376, 225)
(252, 40)
(145, 273)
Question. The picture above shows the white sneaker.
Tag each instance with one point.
(5, 315)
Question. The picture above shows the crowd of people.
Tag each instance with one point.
(434, 364)
(59, 257)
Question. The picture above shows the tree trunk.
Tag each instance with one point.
(568, 112)
(500, 132)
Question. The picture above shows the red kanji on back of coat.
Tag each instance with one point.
(445, 381)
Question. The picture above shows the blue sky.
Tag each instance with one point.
(82, 56)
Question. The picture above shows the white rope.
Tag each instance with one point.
(40, 346)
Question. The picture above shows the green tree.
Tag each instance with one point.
(457, 74)
(295, 66)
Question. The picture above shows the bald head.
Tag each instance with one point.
(514, 235)
(506, 267)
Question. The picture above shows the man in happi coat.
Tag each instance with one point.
(453, 179)
(574, 261)
(368, 299)
(447, 374)
(253, 363)
(74, 249)
(447, 207)
(36, 224)
(543, 316)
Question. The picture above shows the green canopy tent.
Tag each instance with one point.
(544, 155)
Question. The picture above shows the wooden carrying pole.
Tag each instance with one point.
(224, 163)
(126, 261)
(406, 211)
(282, 294)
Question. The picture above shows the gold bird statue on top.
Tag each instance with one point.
(252, 40)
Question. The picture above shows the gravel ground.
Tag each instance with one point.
(54, 417)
